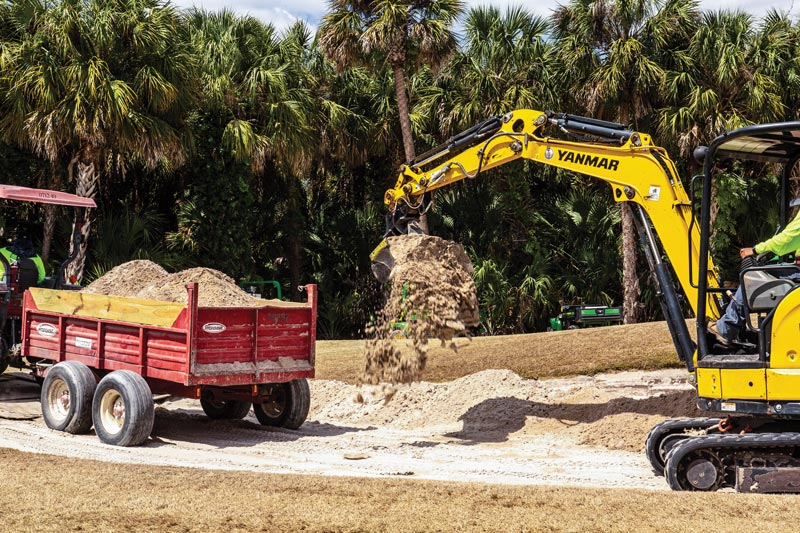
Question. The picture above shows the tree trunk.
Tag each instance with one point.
(402, 108)
(86, 186)
(630, 281)
(50, 212)
(401, 88)
(295, 235)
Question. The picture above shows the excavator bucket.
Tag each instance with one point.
(382, 262)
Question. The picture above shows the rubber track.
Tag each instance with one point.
(718, 442)
(668, 427)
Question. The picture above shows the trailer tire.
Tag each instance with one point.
(66, 397)
(123, 410)
(287, 405)
(224, 409)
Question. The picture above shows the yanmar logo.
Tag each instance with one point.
(588, 160)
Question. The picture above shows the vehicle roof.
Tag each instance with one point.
(769, 143)
(44, 196)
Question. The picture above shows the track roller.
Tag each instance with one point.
(710, 462)
(667, 434)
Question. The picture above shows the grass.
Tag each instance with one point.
(46, 493)
(645, 346)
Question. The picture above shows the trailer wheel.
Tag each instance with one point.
(66, 397)
(286, 405)
(123, 410)
(224, 409)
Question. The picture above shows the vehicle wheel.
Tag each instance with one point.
(286, 405)
(123, 410)
(224, 409)
(66, 397)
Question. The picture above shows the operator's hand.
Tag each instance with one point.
(746, 252)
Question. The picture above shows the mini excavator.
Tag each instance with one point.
(753, 385)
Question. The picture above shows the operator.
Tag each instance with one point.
(22, 248)
(726, 329)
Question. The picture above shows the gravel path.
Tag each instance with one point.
(487, 427)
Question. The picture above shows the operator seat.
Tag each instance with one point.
(27, 274)
(764, 290)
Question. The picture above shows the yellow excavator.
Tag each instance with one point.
(753, 385)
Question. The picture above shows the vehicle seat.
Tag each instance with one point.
(27, 274)
(764, 291)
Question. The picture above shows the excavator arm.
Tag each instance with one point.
(637, 172)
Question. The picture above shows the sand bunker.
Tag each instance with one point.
(148, 281)
(433, 292)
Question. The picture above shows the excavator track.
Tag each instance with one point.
(709, 462)
(665, 435)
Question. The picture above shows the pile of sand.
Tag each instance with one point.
(614, 411)
(148, 281)
(127, 279)
(440, 301)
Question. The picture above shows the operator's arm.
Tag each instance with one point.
(785, 242)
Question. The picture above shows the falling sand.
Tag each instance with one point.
(433, 293)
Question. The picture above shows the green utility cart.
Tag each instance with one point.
(585, 316)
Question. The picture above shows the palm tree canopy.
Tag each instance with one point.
(408, 33)
(97, 77)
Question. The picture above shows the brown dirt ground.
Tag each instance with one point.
(645, 346)
(52, 494)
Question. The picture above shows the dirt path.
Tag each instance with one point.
(491, 426)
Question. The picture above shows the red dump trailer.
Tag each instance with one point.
(103, 357)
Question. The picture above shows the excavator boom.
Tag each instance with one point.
(637, 171)
(752, 379)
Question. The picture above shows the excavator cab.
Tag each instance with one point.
(752, 443)
(765, 285)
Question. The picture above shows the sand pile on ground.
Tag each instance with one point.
(488, 406)
(148, 281)
(432, 290)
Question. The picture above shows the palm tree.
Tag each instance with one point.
(403, 34)
(504, 64)
(727, 78)
(610, 50)
(257, 109)
(102, 83)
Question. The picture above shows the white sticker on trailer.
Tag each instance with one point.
(47, 330)
(214, 327)
(83, 342)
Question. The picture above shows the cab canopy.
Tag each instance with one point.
(767, 143)
(44, 196)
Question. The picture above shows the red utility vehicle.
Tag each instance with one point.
(101, 358)
(229, 358)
